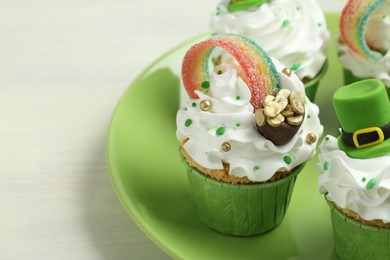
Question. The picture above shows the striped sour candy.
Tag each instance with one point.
(352, 26)
(261, 74)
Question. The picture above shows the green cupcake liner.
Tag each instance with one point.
(354, 240)
(350, 78)
(312, 86)
(241, 210)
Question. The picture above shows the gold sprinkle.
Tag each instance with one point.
(205, 105)
(226, 146)
(311, 138)
(286, 71)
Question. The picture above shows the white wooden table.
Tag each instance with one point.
(63, 67)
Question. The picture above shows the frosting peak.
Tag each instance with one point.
(229, 92)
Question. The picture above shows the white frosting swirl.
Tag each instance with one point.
(251, 154)
(292, 31)
(364, 68)
(377, 35)
(361, 185)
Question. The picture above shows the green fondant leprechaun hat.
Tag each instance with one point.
(238, 5)
(363, 109)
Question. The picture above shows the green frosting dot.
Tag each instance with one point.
(256, 168)
(238, 97)
(193, 104)
(326, 166)
(205, 84)
(308, 116)
(340, 53)
(188, 123)
(218, 11)
(319, 24)
(238, 124)
(220, 131)
(208, 128)
(295, 66)
(285, 22)
(287, 159)
(371, 183)
(364, 179)
(219, 72)
(327, 138)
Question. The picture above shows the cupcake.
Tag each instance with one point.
(292, 31)
(355, 171)
(364, 42)
(245, 133)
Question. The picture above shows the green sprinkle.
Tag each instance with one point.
(188, 123)
(219, 72)
(287, 159)
(340, 53)
(327, 138)
(218, 12)
(256, 168)
(285, 23)
(238, 124)
(326, 166)
(295, 66)
(205, 84)
(308, 116)
(319, 24)
(364, 179)
(238, 97)
(220, 131)
(371, 183)
(193, 104)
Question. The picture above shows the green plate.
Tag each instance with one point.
(151, 182)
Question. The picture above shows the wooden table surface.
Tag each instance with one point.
(63, 67)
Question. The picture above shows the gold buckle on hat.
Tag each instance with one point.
(381, 136)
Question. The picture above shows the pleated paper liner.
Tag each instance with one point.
(354, 240)
(240, 209)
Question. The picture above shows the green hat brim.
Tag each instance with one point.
(367, 152)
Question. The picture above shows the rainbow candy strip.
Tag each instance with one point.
(352, 25)
(263, 78)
